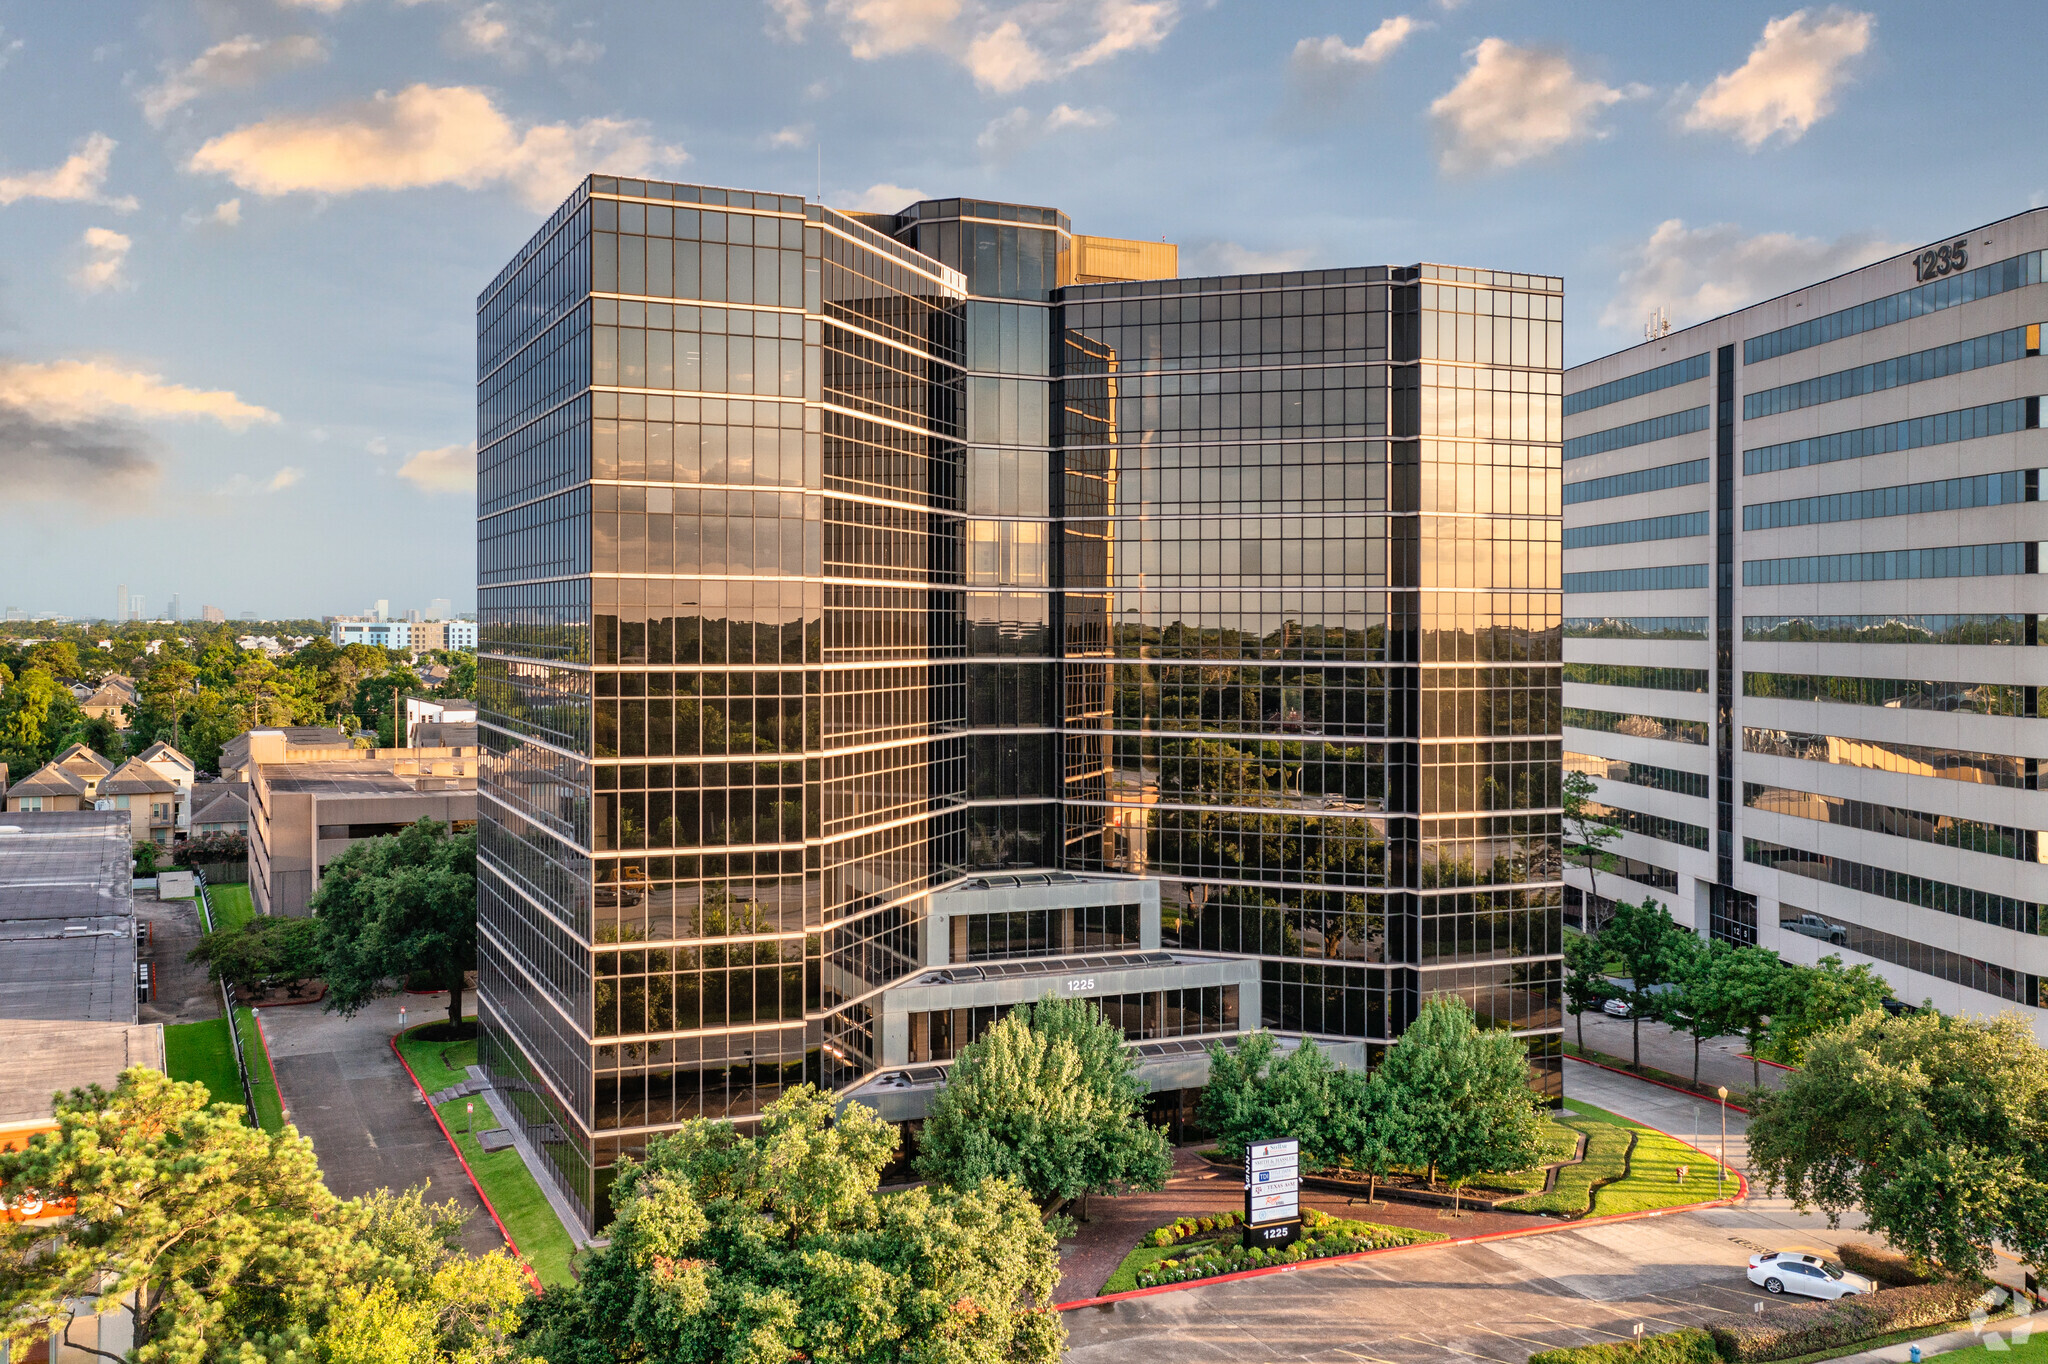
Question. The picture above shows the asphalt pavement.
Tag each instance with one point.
(346, 1091)
(1721, 1058)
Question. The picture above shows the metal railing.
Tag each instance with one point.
(227, 996)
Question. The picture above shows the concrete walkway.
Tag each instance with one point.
(347, 1092)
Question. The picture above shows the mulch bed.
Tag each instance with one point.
(1115, 1225)
(277, 999)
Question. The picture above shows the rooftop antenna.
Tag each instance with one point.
(1658, 326)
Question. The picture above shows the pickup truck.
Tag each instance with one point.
(1813, 926)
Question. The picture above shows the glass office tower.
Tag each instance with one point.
(864, 593)
(1311, 623)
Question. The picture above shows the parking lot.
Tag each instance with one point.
(1499, 1300)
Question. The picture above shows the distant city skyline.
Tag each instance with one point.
(240, 364)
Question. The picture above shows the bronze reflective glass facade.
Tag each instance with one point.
(830, 559)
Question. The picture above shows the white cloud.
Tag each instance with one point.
(448, 469)
(227, 213)
(8, 46)
(1789, 82)
(378, 446)
(884, 198)
(1229, 258)
(1004, 46)
(787, 19)
(106, 251)
(1515, 104)
(242, 485)
(240, 61)
(427, 135)
(514, 32)
(795, 135)
(1331, 53)
(1701, 272)
(77, 181)
(1008, 134)
(318, 6)
(86, 390)
(284, 478)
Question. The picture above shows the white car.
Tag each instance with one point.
(1617, 1008)
(1808, 1275)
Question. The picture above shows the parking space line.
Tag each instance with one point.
(1453, 1349)
(1681, 1302)
(1597, 1330)
(1509, 1335)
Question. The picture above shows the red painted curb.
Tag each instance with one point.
(1741, 1192)
(509, 1242)
(1779, 1064)
(1644, 1079)
(282, 1107)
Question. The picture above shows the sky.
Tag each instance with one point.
(241, 240)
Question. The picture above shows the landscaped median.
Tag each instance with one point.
(1627, 1168)
(507, 1186)
(1204, 1247)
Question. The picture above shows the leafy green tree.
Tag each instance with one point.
(1929, 1126)
(1587, 832)
(37, 714)
(765, 1249)
(264, 953)
(396, 907)
(1362, 1131)
(1649, 945)
(1723, 991)
(461, 676)
(1814, 999)
(1457, 1095)
(1255, 1093)
(167, 693)
(1049, 1099)
(219, 1231)
(1585, 978)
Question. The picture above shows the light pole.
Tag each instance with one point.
(469, 1124)
(1721, 1174)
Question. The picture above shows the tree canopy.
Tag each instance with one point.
(1048, 1098)
(1928, 1125)
(394, 907)
(1457, 1095)
(764, 1249)
(1821, 998)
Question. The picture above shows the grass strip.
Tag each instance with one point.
(262, 1084)
(203, 1052)
(1639, 1182)
(231, 904)
(506, 1181)
(2035, 1351)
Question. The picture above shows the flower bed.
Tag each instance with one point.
(1323, 1237)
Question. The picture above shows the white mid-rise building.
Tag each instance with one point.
(1802, 544)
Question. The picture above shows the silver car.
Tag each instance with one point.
(1807, 1275)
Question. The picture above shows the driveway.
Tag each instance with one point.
(182, 992)
(1721, 1060)
(1498, 1301)
(347, 1092)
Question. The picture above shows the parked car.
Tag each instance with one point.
(1807, 1275)
(1620, 1008)
(1813, 926)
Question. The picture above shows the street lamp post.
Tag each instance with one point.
(401, 1020)
(469, 1125)
(1721, 1175)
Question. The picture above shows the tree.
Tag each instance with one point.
(1049, 1099)
(1722, 991)
(398, 906)
(1457, 1095)
(219, 1231)
(1928, 1125)
(1255, 1093)
(167, 692)
(1585, 978)
(1362, 1132)
(264, 953)
(763, 1249)
(1814, 999)
(37, 714)
(1587, 832)
(1648, 943)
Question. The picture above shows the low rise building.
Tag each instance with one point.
(385, 634)
(306, 805)
(67, 919)
(220, 808)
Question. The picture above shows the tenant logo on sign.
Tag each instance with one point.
(1272, 1191)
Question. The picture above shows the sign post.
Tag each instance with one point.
(1272, 1192)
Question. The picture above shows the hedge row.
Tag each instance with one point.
(1188, 1228)
(1689, 1346)
(1209, 1261)
(1782, 1332)
(1882, 1265)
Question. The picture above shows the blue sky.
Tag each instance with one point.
(241, 240)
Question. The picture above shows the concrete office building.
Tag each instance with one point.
(1801, 544)
(890, 618)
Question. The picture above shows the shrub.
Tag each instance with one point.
(217, 847)
(1782, 1332)
(1882, 1264)
(1689, 1346)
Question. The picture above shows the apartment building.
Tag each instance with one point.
(1801, 549)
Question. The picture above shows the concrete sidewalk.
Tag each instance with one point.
(346, 1091)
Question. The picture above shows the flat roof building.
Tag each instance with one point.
(1802, 578)
(869, 596)
(67, 916)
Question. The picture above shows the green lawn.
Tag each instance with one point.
(506, 1181)
(204, 1052)
(231, 905)
(2035, 1351)
(1651, 1178)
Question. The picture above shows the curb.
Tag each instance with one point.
(1778, 1065)
(1646, 1080)
(1741, 1192)
(510, 1244)
(283, 1105)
